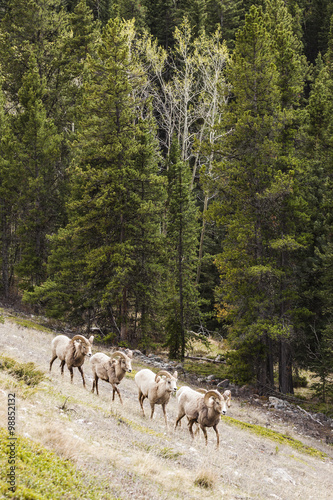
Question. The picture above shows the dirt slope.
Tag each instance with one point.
(137, 455)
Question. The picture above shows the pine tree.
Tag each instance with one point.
(38, 156)
(161, 20)
(114, 206)
(228, 15)
(255, 208)
(34, 27)
(315, 272)
(182, 299)
(10, 178)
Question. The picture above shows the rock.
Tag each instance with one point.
(283, 474)
(278, 404)
(137, 353)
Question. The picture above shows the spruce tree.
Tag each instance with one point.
(316, 268)
(181, 293)
(38, 156)
(10, 179)
(102, 260)
(257, 192)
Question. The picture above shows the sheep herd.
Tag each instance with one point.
(202, 408)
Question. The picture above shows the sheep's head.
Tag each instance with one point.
(169, 380)
(124, 360)
(83, 345)
(215, 400)
(227, 397)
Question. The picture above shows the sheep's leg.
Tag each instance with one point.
(165, 415)
(71, 372)
(190, 425)
(53, 358)
(115, 390)
(152, 406)
(95, 384)
(197, 430)
(141, 399)
(82, 375)
(203, 428)
(62, 364)
(178, 421)
(217, 436)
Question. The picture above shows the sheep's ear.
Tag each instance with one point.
(175, 374)
(91, 339)
(158, 379)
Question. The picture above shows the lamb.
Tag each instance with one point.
(157, 388)
(111, 370)
(72, 352)
(204, 409)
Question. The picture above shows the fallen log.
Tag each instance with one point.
(196, 358)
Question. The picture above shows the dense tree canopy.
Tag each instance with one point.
(177, 166)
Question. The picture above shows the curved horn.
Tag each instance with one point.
(210, 394)
(80, 337)
(161, 373)
(118, 353)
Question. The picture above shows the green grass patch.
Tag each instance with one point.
(276, 436)
(126, 421)
(27, 323)
(24, 372)
(169, 453)
(42, 475)
(206, 368)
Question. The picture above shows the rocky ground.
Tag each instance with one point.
(141, 459)
(274, 409)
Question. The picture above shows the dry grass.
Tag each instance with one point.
(138, 456)
(205, 479)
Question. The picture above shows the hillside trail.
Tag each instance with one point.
(139, 457)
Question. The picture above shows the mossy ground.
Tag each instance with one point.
(42, 475)
(276, 436)
(25, 372)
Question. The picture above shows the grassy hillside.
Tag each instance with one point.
(73, 444)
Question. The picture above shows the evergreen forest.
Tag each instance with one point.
(166, 174)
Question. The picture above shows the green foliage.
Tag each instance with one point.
(275, 436)
(25, 372)
(38, 154)
(104, 262)
(41, 475)
(258, 207)
(182, 235)
(204, 369)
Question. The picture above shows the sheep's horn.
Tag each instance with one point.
(210, 394)
(118, 353)
(161, 373)
(80, 337)
(227, 397)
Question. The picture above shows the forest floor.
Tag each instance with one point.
(137, 458)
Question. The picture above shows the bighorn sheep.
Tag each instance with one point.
(111, 370)
(204, 409)
(157, 388)
(72, 352)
